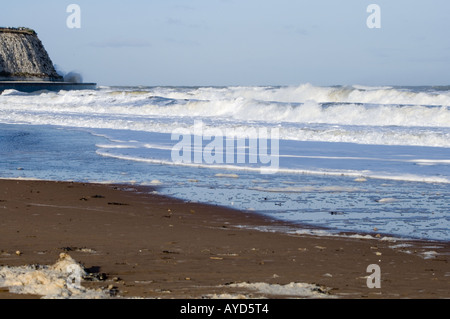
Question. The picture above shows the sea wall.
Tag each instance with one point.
(24, 58)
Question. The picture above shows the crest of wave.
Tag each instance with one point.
(308, 92)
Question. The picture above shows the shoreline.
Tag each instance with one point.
(152, 246)
(279, 225)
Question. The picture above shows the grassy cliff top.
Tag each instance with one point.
(18, 30)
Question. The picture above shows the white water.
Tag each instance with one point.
(340, 148)
(379, 116)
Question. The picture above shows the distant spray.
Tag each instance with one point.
(72, 76)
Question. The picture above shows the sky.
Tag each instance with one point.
(243, 42)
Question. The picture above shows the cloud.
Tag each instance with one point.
(296, 30)
(184, 7)
(182, 24)
(122, 43)
(182, 42)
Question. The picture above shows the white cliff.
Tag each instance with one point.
(23, 57)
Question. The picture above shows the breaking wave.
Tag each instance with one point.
(355, 114)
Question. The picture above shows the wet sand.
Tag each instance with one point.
(150, 246)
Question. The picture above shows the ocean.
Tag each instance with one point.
(370, 160)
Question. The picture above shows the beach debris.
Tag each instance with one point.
(163, 291)
(229, 255)
(97, 196)
(79, 249)
(169, 213)
(112, 290)
(117, 204)
(18, 252)
(216, 258)
(320, 247)
(170, 252)
(95, 276)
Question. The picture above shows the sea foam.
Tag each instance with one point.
(50, 282)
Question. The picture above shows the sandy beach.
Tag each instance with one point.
(141, 244)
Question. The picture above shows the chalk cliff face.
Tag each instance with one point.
(24, 58)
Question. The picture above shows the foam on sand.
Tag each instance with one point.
(293, 289)
(58, 281)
